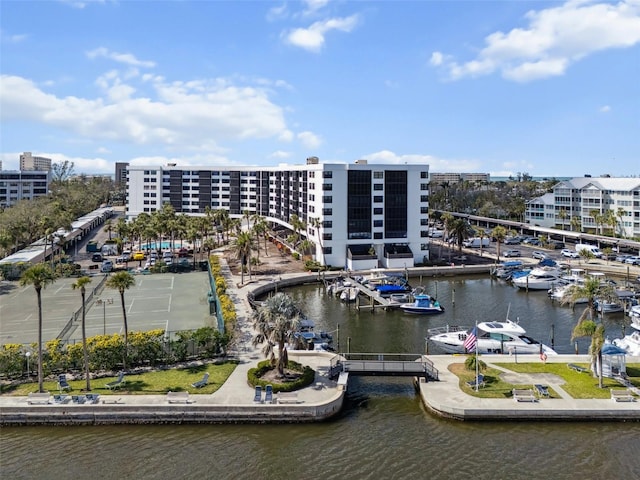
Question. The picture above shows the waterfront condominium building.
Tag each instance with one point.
(590, 204)
(29, 162)
(357, 215)
(22, 185)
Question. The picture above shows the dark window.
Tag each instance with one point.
(424, 209)
(424, 198)
(378, 211)
(327, 211)
(327, 224)
(395, 204)
(327, 236)
(327, 199)
(327, 250)
(327, 187)
(359, 204)
(424, 233)
(377, 223)
(377, 235)
(424, 221)
(378, 175)
(378, 199)
(378, 186)
(424, 186)
(424, 174)
(327, 174)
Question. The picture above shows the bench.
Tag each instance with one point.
(37, 398)
(577, 368)
(178, 397)
(288, 397)
(622, 396)
(524, 395)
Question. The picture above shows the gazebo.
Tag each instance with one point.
(613, 360)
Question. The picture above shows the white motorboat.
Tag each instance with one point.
(349, 294)
(422, 305)
(631, 343)
(559, 291)
(540, 278)
(492, 337)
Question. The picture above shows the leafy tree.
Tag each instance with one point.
(592, 289)
(81, 284)
(61, 172)
(39, 275)
(122, 281)
(276, 321)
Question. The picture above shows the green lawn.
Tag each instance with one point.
(151, 383)
(576, 384)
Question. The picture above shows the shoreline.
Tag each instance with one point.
(232, 402)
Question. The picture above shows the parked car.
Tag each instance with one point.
(107, 266)
(539, 255)
(557, 245)
(622, 258)
(96, 257)
(512, 241)
(569, 253)
(633, 260)
(512, 253)
(138, 256)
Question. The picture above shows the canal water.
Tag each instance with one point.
(383, 431)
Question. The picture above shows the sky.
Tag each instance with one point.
(502, 87)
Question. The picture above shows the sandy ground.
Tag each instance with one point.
(271, 263)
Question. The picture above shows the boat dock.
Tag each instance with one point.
(375, 300)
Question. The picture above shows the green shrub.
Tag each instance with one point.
(254, 376)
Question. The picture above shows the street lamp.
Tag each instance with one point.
(28, 354)
(104, 303)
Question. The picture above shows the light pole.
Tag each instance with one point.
(28, 354)
(104, 302)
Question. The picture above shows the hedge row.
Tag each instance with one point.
(229, 315)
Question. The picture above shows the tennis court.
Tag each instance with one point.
(171, 301)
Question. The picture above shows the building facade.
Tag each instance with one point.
(22, 185)
(121, 173)
(438, 178)
(599, 205)
(357, 215)
(29, 162)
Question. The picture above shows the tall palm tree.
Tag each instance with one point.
(462, 230)
(576, 224)
(243, 246)
(499, 233)
(562, 216)
(109, 227)
(81, 285)
(122, 281)
(39, 275)
(276, 321)
(482, 233)
(316, 224)
(592, 289)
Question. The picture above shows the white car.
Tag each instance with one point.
(633, 260)
(512, 253)
(565, 252)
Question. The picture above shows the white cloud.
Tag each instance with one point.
(280, 154)
(190, 115)
(314, 5)
(277, 12)
(605, 109)
(126, 58)
(435, 164)
(309, 140)
(313, 38)
(554, 39)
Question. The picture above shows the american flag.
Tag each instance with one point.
(471, 340)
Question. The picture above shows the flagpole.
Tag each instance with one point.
(477, 355)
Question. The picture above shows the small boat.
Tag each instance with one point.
(422, 305)
(400, 298)
(349, 294)
(492, 337)
(631, 343)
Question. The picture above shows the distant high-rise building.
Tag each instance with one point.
(29, 162)
(22, 185)
(438, 178)
(121, 173)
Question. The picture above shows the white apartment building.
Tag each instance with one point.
(579, 197)
(438, 178)
(29, 162)
(22, 185)
(358, 215)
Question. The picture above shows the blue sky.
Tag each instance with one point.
(548, 88)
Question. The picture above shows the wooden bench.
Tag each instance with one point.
(178, 397)
(288, 397)
(577, 368)
(524, 395)
(37, 398)
(622, 396)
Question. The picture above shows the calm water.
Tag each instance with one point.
(384, 431)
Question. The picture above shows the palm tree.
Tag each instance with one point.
(108, 227)
(297, 225)
(482, 233)
(499, 233)
(122, 281)
(316, 224)
(81, 284)
(243, 246)
(592, 289)
(39, 275)
(276, 322)
(462, 230)
(620, 213)
(576, 224)
(562, 216)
